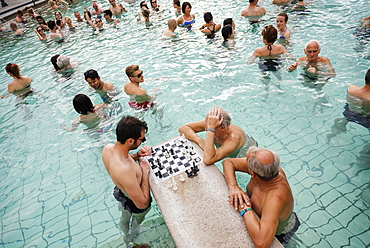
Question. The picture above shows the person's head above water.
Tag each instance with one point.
(83, 104)
(208, 17)
(367, 78)
(313, 43)
(108, 13)
(269, 34)
(184, 6)
(172, 24)
(263, 163)
(63, 61)
(226, 119)
(130, 127)
(93, 78)
(143, 4)
(13, 70)
(13, 26)
(53, 60)
(227, 31)
(51, 24)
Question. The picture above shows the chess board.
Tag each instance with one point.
(173, 157)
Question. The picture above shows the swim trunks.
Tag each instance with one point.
(292, 226)
(127, 203)
(141, 106)
(355, 117)
(270, 64)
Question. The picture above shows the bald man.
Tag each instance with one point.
(313, 64)
(170, 32)
(230, 140)
(268, 195)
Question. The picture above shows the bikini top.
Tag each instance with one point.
(186, 23)
(282, 35)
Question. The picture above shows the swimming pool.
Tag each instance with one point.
(54, 188)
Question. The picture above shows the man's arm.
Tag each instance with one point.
(138, 193)
(262, 233)
(190, 130)
(237, 197)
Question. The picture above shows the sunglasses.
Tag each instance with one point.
(142, 140)
(139, 75)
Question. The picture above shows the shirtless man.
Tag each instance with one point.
(228, 137)
(78, 17)
(96, 9)
(269, 196)
(172, 25)
(281, 2)
(102, 88)
(129, 173)
(139, 99)
(253, 10)
(313, 64)
(19, 18)
(116, 9)
(57, 37)
(17, 31)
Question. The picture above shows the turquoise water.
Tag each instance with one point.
(55, 191)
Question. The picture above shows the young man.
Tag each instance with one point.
(129, 173)
(102, 88)
(229, 139)
(116, 9)
(253, 10)
(140, 100)
(269, 196)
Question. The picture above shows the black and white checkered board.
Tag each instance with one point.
(173, 157)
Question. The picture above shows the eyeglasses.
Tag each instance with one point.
(97, 21)
(154, 2)
(142, 140)
(139, 75)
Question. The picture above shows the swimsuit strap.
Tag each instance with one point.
(269, 47)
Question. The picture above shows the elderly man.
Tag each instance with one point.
(229, 139)
(102, 88)
(129, 173)
(253, 10)
(269, 196)
(314, 65)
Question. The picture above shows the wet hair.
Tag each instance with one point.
(130, 127)
(51, 24)
(226, 31)
(145, 13)
(251, 1)
(177, 2)
(367, 78)
(91, 74)
(184, 5)
(96, 19)
(108, 12)
(41, 18)
(83, 104)
(269, 33)
(13, 25)
(264, 172)
(55, 14)
(53, 60)
(58, 22)
(131, 69)
(208, 17)
(143, 3)
(14, 70)
(226, 118)
(228, 21)
(30, 10)
(283, 15)
(63, 61)
(19, 12)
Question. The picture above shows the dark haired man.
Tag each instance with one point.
(102, 88)
(57, 37)
(269, 196)
(129, 173)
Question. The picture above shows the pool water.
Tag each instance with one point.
(55, 191)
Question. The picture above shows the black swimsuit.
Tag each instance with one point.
(127, 203)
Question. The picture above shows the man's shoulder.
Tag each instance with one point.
(324, 60)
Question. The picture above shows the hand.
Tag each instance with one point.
(312, 69)
(145, 151)
(238, 198)
(214, 118)
(144, 166)
(293, 66)
(116, 21)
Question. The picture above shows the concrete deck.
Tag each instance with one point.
(198, 214)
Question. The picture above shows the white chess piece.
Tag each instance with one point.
(174, 184)
(182, 178)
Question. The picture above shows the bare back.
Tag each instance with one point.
(19, 83)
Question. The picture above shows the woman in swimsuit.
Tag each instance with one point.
(90, 114)
(21, 85)
(187, 19)
(283, 31)
(210, 27)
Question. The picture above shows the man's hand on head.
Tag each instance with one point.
(214, 119)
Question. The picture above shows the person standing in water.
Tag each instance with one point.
(21, 85)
